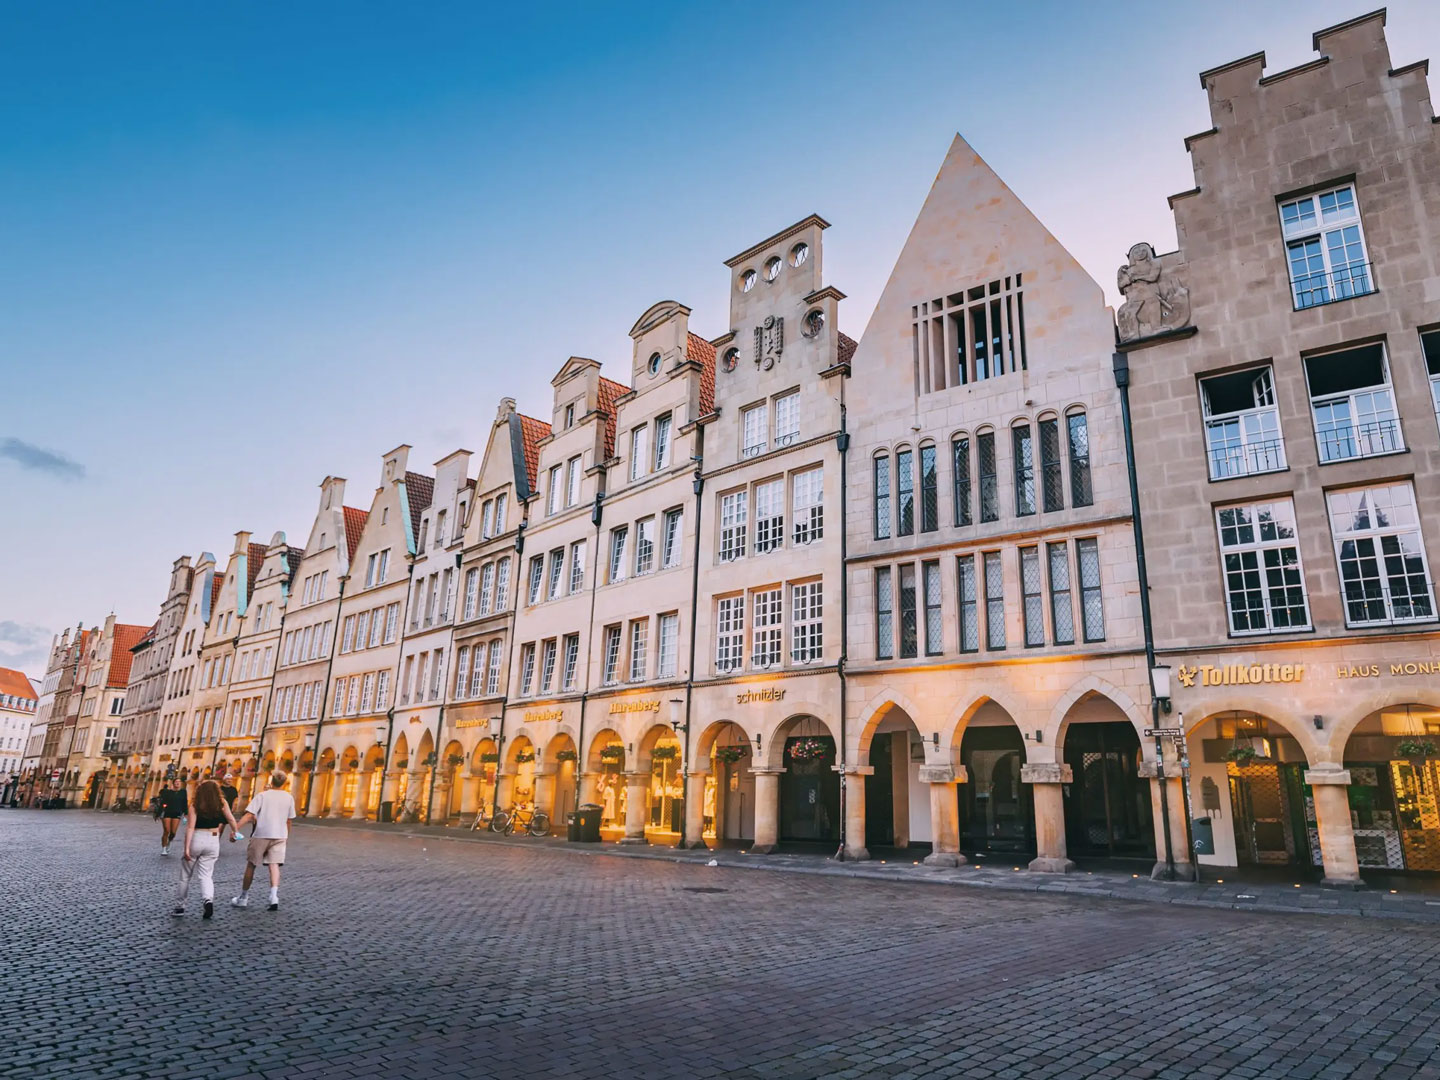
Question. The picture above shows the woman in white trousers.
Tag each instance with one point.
(209, 813)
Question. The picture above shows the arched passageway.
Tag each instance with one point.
(1108, 811)
(997, 811)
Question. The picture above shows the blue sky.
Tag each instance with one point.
(246, 246)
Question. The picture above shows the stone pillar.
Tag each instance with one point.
(504, 790)
(1175, 810)
(1330, 787)
(1045, 779)
(337, 792)
(362, 794)
(695, 809)
(635, 808)
(853, 777)
(440, 800)
(944, 813)
(545, 791)
(767, 809)
(589, 788)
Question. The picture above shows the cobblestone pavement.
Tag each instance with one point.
(400, 956)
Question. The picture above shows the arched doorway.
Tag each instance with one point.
(897, 806)
(809, 786)
(1393, 755)
(484, 764)
(997, 810)
(349, 780)
(521, 769)
(607, 762)
(1248, 768)
(729, 810)
(372, 782)
(323, 797)
(450, 788)
(1108, 810)
(561, 758)
(399, 773)
(423, 769)
(660, 756)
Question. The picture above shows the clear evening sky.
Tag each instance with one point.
(246, 246)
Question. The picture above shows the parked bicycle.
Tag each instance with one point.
(481, 820)
(535, 822)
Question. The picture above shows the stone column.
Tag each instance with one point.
(545, 791)
(1175, 809)
(944, 813)
(1330, 787)
(1045, 779)
(504, 790)
(589, 788)
(853, 777)
(767, 809)
(362, 794)
(337, 792)
(635, 809)
(695, 809)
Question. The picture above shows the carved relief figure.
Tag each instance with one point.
(769, 341)
(1155, 299)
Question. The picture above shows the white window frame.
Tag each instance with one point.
(767, 634)
(734, 514)
(753, 422)
(1403, 524)
(667, 651)
(1244, 442)
(807, 629)
(1257, 559)
(730, 633)
(1311, 229)
(808, 505)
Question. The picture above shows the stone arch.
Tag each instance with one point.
(520, 744)
(960, 718)
(423, 752)
(606, 736)
(561, 740)
(1089, 686)
(894, 702)
(484, 747)
(771, 752)
(401, 752)
(1362, 708)
(653, 736)
(732, 730)
(1314, 753)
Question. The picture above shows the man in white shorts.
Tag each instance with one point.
(271, 811)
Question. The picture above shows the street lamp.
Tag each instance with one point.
(1160, 683)
(380, 732)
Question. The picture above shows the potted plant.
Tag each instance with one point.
(808, 749)
(490, 757)
(430, 760)
(402, 763)
(455, 760)
(614, 753)
(328, 766)
(665, 753)
(525, 755)
(731, 754)
(566, 755)
(1243, 754)
(1416, 748)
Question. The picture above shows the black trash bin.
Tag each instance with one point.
(572, 827)
(586, 829)
(387, 810)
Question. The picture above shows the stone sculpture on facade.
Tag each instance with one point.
(1155, 298)
(769, 341)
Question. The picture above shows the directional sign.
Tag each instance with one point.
(1164, 732)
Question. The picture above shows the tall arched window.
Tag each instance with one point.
(1024, 469)
(960, 477)
(905, 491)
(1052, 484)
(1078, 436)
(929, 489)
(986, 468)
(881, 498)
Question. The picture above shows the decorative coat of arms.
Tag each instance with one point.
(1155, 299)
(769, 341)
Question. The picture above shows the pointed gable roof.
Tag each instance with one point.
(847, 348)
(532, 433)
(420, 491)
(127, 636)
(610, 392)
(703, 353)
(254, 559)
(354, 526)
(216, 581)
(15, 682)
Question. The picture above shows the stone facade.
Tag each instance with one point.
(1290, 445)
(177, 713)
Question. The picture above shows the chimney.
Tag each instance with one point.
(242, 542)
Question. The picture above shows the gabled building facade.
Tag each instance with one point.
(177, 713)
(104, 674)
(19, 701)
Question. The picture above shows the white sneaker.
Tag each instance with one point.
(239, 901)
(164, 851)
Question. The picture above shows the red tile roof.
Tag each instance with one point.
(847, 348)
(292, 562)
(354, 526)
(127, 636)
(254, 559)
(215, 583)
(610, 392)
(15, 682)
(420, 491)
(531, 432)
(698, 349)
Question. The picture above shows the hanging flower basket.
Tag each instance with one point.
(455, 760)
(665, 753)
(1242, 755)
(328, 766)
(1416, 748)
(430, 760)
(524, 756)
(613, 752)
(354, 766)
(731, 754)
(489, 758)
(404, 762)
(566, 755)
(808, 749)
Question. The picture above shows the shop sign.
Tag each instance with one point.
(1374, 671)
(538, 716)
(1238, 674)
(748, 697)
(475, 721)
(635, 706)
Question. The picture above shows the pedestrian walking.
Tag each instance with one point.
(174, 805)
(272, 811)
(207, 815)
(230, 791)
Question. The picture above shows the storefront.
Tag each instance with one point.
(1108, 809)
(997, 813)
(810, 786)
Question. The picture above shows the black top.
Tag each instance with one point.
(231, 793)
(209, 821)
(175, 802)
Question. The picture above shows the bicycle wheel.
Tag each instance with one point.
(499, 822)
(509, 824)
(540, 824)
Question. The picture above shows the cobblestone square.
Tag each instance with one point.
(419, 956)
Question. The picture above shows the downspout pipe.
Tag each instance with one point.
(699, 488)
(842, 442)
(1121, 364)
(597, 516)
(518, 578)
(390, 712)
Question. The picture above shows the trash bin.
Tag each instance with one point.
(1202, 835)
(572, 827)
(387, 810)
(587, 824)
